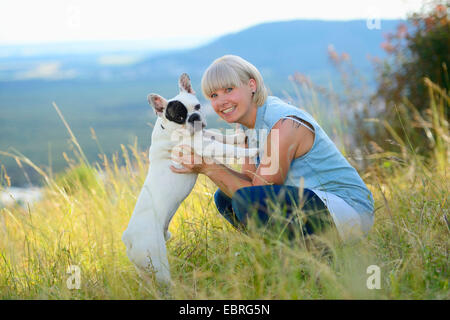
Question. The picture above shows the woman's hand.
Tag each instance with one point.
(191, 162)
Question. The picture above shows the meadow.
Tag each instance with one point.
(80, 221)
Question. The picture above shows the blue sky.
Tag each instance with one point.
(171, 23)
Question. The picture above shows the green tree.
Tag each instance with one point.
(419, 49)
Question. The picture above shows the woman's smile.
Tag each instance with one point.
(224, 102)
(229, 110)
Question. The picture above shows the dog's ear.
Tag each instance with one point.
(185, 84)
(157, 102)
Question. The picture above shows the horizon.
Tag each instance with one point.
(77, 21)
(194, 41)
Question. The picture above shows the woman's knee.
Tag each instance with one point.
(247, 201)
(225, 208)
(220, 198)
(244, 197)
(223, 203)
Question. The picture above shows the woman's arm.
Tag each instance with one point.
(285, 142)
(248, 167)
(227, 179)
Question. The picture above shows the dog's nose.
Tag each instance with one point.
(194, 117)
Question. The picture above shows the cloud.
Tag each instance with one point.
(46, 70)
(119, 60)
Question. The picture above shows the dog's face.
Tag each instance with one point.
(182, 111)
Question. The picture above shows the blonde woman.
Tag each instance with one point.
(298, 165)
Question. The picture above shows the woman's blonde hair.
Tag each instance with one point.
(233, 71)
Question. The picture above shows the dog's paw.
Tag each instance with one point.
(252, 152)
(177, 165)
(240, 137)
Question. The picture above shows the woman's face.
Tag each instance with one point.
(234, 103)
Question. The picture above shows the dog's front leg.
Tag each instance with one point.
(215, 149)
(234, 139)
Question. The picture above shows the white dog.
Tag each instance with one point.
(164, 190)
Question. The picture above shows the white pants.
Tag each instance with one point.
(350, 224)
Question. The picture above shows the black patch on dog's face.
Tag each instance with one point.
(176, 112)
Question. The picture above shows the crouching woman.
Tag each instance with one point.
(298, 165)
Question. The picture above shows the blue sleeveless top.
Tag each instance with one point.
(322, 168)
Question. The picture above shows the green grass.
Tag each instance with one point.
(83, 214)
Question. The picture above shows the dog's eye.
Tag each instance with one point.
(176, 112)
(197, 107)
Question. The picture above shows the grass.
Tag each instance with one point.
(84, 211)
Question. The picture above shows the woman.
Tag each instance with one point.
(298, 165)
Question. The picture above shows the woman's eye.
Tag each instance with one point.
(213, 95)
(229, 89)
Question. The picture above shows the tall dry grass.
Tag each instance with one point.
(84, 211)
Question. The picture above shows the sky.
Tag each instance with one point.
(171, 23)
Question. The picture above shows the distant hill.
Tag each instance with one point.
(278, 49)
